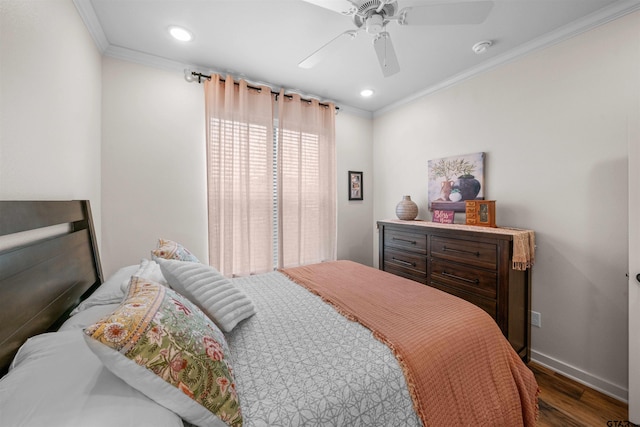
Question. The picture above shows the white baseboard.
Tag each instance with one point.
(603, 386)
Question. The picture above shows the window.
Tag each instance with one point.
(271, 184)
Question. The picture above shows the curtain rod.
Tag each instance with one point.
(201, 76)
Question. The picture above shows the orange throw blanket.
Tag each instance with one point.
(459, 368)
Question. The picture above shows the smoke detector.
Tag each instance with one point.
(481, 47)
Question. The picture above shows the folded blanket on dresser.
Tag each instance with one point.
(460, 369)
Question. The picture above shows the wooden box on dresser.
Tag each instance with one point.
(470, 262)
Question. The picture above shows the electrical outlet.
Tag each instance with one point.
(536, 319)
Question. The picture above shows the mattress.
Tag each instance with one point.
(297, 362)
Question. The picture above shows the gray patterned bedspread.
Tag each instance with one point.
(298, 362)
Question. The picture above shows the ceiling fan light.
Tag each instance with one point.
(181, 34)
(366, 93)
(481, 47)
(374, 24)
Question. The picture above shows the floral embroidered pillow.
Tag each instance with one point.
(164, 346)
(168, 249)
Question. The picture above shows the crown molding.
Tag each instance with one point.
(91, 21)
(603, 16)
(142, 58)
(355, 112)
(566, 32)
(118, 52)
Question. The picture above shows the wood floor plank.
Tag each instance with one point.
(552, 417)
(565, 402)
(608, 407)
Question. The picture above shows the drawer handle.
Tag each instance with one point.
(464, 279)
(444, 248)
(411, 264)
(413, 242)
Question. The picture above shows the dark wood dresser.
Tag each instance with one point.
(470, 262)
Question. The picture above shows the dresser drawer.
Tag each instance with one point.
(469, 279)
(414, 242)
(472, 263)
(488, 305)
(406, 264)
(479, 254)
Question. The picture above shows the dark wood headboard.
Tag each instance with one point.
(43, 278)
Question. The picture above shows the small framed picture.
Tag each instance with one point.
(355, 185)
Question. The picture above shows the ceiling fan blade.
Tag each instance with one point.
(328, 49)
(343, 7)
(462, 13)
(386, 54)
(382, 4)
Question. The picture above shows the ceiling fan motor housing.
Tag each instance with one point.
(368, 16)
(374, 24)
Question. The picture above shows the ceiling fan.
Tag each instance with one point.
(373, 16)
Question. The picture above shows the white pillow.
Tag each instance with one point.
(87, 317)
(56, 381)
(148, 270)
(110, 292)
(206, 287)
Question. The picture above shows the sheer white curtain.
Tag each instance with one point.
(240, 176)
(254, 218)
(306, 181)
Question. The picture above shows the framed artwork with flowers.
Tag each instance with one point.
(455, 179)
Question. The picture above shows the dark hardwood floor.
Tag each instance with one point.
(564, 402)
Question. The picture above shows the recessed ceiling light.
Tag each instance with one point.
(181, 34)
(366, 93)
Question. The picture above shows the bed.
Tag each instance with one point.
(170, 342)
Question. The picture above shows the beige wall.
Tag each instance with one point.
(354, 141)
(154, 170)
(49, 104)
(554, 127)
(553, 124)
(153, 163)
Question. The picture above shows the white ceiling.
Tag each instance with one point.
(263, 41)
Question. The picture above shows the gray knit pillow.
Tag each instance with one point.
(206, 287)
